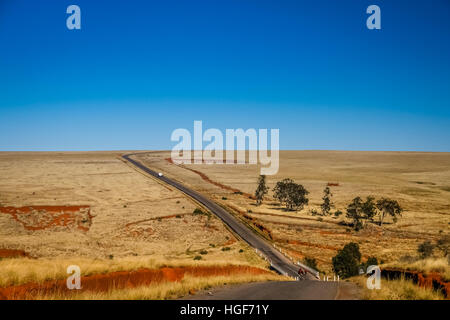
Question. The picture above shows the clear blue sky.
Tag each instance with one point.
(137, 70)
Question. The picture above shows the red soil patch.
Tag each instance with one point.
(333, 184)
(10, 253)
(218, 184)
(122, 280)
(50, 217)
(332, 233)
(431, 280)
(169, 160)
(229, 242)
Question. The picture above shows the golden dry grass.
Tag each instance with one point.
(400, 289)
(439, 265)
(23, 270)
(165, 290)
(418, 180)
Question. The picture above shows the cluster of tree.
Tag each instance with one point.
(361, 212)
(287, 192)
(347, 262)
(311, 262)
(294, 197)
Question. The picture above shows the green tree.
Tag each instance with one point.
(327, 203)
(310, 262)
(369, 209)
(355, 212)
(291, 194)
(261, 190)
(388, 207)
(280, 191)
(347, 260)
(297, 198)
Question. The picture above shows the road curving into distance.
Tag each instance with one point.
(278, 261)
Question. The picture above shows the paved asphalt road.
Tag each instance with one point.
(274, 290)
(279, 262)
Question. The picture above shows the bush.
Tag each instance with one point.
(371, 261)
(226, 249)
(203, 252)
(443, 244)
(198, 258)
(241, 250)
(310, 262)
(197, 211)
(224, 198)
(425, 249)
(337, 213)
(346, 262)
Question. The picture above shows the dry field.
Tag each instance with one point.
(419, 181)
(92, 209)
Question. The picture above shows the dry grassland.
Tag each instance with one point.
(92, 209)
(419, 181)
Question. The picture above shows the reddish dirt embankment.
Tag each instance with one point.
(123, 279)
(51, 217)
(11, 253)
(218, 184)
(431, 280)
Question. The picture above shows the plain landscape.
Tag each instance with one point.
(94, 210)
